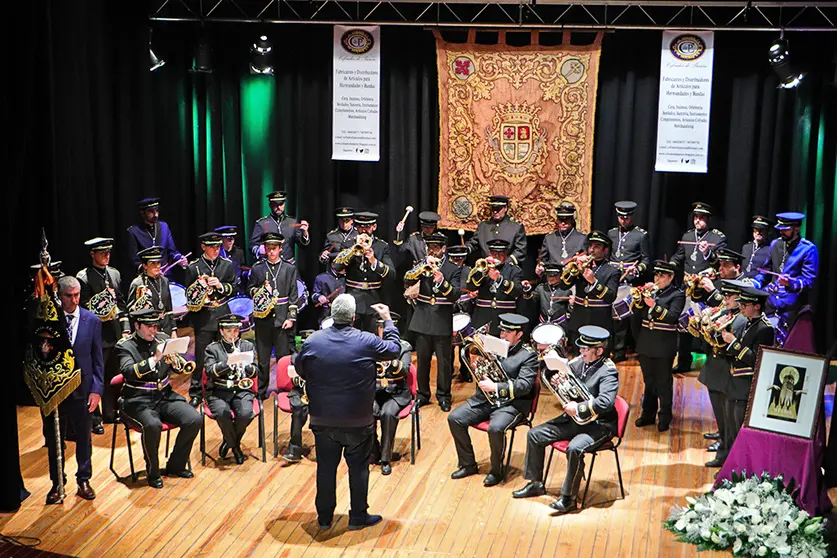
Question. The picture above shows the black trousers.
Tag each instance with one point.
(332, 443)
(151, 412)
(110, 394)
(270, 339)
(582, 438)
(233, 411)
(385, 409)
(475, 411)
(299, 416)
(659, 386)
(719, 403)
(71, 412)
(426, 345)
(734, 412)
(202, 340)
(621, 328)
(684, 351)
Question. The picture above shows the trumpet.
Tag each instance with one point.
(575, 266)
(362, 243)
(644, 291)
(692, 280)
(428, 267)
(716, 322)
(480, 270)
(179, 364)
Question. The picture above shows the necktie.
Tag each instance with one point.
(70, 327)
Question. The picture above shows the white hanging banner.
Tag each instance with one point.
(356, 102)
(685, 95)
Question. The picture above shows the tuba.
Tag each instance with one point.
(565, 385)
(362, 242)
(483, 365)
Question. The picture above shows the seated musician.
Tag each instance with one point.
(552, 298)
(299, 415)
(148, 399)
(150, 289)
(514, 402)
(391, 396)
(601, 379)
(229, 388)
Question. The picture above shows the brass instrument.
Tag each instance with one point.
(692, 280)
(362, 243)
(197, 294)
(575, 266)
(389, 370)
(566, 386)
(715, 322)
(644, 291)
(480, 270)
(427, 267)
(179, 364)
(483, 365)
(264, 300)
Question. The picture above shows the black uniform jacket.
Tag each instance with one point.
(657, 338)
(433, 313)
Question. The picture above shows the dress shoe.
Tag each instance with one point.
(644, 421)
(712, 436)
(239, 455)
(386, 468)
(85, 490)
(445, 406)
(714, 463)
(97, 427)
(224, 450)
(53, 496)
(534, 488)
(293, 455)
(463, 472)
(195, 401)
(421, 401)
(492, 480)
(663, 426)
(564, 504)
(355, 524)
(324, 525)
(155, 482)
(714, 447)
(183, 474)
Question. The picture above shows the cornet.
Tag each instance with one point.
(362, 243)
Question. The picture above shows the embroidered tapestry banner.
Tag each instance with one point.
(515, 121)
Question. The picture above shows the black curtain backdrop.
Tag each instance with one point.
(95, 131)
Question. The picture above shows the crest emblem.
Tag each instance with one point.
(517, 140)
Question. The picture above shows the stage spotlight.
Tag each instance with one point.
(154, 62)
(203, 57)
(779, 58)
(261, 57)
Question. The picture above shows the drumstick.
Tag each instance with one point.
(461, 236)
(328, 297)
(768, 272)
(172, 264)
(407, 211)
(692, 243)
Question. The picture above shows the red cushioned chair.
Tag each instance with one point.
(623, 410)
(521, 421)
(205, 412)
(284, 384)
(412, 410)
(131, 424)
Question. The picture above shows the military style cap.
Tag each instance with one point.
(600, 237)
(552, 268)
(366, 218)
(565, 209)
(148, 203)
(271, 237)
(279, 196)
(99, 243)
(702, 208)
(151, 254)
(592, 336)
(730, 287)
(752, 294)
(230, 320)
(662, 266)
(457, 251)
(227, 231)
(344, 212)
(512, 322)
(436, 239)
(498, 245)
(785, 221)
(760, 222)
(394, 315)
(147, 316)
(429, 217)
(727, 255)
(624, 208)
(54, 269)
(210, 238)
(498, 201)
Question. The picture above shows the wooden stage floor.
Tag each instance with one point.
(267, 509)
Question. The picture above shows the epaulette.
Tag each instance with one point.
(124, 339)
(719, 233)
(766, 320)
(416, 233)
(688, 231)
(612, 229)
(82, 275)
(609, 363)
(575, 359)
(228, 259)
(262, 218)
(640, 229)
(530, 348)
(381, 240)
(334, 230)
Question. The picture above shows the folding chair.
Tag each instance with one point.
(412, 410)
(206, 412)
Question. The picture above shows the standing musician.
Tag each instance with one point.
(495, 284)
(659, 305)
(152, 232)
(272, 287)
(150, 289)
(327, 285)
(514, 402)
(339, 238)
(367, 264)
(791, 272)
(414, 249)
(391, 396)
(435, 289)
(229, 388)
(631, 256)
(600, 377)
(148, 398)
(757, 253)
(566, 241)
(101, 293)
(211, 281)
(553, 299)
(230, 251)
(595, 282)
(694, 252)
(499, 227)
(292, 232)
(456, 255)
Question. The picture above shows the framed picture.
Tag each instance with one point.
(786, 394)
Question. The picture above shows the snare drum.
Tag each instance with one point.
(243, 306)
(178, 299)
(622, 305)
(302, 291)
(461, 327)
(549, 336)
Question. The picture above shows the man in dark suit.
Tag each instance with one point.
(84, 331)
(600, 377)
(152, 232)
(339, 366)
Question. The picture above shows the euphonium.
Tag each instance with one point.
(566, 386)
(179, 364)
(362, 242)
(483, 365)
(692, 280)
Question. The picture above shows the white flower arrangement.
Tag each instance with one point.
(753, 516)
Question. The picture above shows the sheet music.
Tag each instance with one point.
(240, 358)
(177, 345)
(495, 345)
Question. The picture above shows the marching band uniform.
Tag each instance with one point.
(456, 255)
(515, 396)
(235, 254)
(495, 297)
(326, 284)
(272, 283)
(148, 399)
(601, 378)
(143, 235)
(432, 322)
(558, 246)
(341, 237)
(656, 346)
(757, 255)
(101, 293)
(299, 416)
(279, 222)
(553, 300)
(414, 249)
(505, 229)
(229, 389)
(155, 289)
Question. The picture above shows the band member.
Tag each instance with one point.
(414, 249)
(757, 252)
(499, 227)
(600, 377)
(101, 293)
(148, 399)
(728, 263)
(229, 388)
(391, 396)
(211, 282)
(438, 283)
(565, 242)
(456, 255)
(595, 282)
(552, 298)
(656, 342)
(229, 250)
(298, 401)
(327, 285)
(150, 289)
(514, 398)
(367, 265)
(495, 286)
(152, 232)
(339, 238)
(790, 273)
(272, 287)
(84, 331)
(292, 232)
(631, 257)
